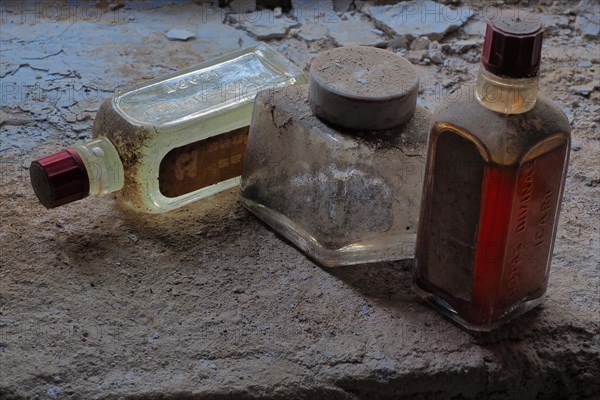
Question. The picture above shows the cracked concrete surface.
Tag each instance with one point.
(206, 302)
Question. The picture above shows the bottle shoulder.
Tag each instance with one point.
(504, 138)
(290, 106)
(126, 137)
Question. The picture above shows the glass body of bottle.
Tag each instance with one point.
(343, 196)
(170, 141)
(496, 167)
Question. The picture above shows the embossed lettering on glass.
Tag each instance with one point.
(169, 141)
(496, 168)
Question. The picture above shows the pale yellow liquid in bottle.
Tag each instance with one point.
(176, 139)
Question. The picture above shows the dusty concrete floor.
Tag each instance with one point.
(206, 302)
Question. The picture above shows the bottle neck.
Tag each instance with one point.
(504, 94)
(103, 164)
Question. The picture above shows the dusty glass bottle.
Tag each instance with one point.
(169, 141)
(496, 167)
(336, 167)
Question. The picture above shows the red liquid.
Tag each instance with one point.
(486, 232)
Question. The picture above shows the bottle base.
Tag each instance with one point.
(362, 252)
(449, 312)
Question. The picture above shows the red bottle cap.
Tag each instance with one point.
(513, 45)
(59, 178)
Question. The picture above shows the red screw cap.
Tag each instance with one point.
(513, 45)
(59, 178)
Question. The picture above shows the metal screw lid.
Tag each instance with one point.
(59, 178)
(513, 45)
(363, 88)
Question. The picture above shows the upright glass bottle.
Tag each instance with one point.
(169, 141)
(496, 167)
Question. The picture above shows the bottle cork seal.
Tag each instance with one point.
(59, 178)
(363, 88)
(513, 44)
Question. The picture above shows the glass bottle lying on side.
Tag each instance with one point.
(496, 168)
(336, 167)
(169, 141)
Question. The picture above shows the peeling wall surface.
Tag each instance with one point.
(206, 302)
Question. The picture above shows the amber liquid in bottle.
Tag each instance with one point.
(490, 207)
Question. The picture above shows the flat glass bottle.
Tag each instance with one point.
(336, 166)
(496, 167)
(169, 141)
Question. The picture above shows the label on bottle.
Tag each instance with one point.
(203, 163)
(452, 216)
